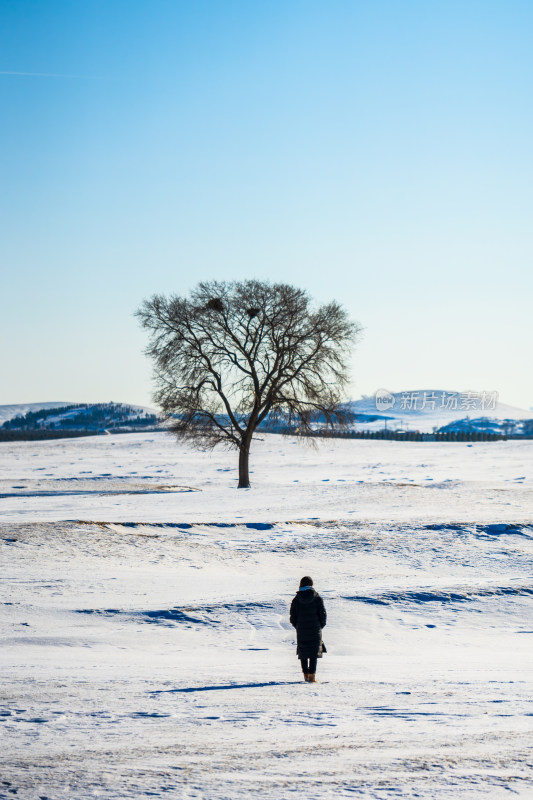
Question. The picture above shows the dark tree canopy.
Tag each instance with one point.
(235, 353)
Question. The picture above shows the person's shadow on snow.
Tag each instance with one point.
(224, 686)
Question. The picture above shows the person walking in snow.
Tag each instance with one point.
(308, 616)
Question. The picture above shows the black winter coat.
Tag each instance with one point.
(308, 616)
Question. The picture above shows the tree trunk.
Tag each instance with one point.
(244, 479)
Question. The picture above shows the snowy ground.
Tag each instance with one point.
(146, 649)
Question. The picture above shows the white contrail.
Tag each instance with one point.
(50, 75)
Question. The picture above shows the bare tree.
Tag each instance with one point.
(233, 354)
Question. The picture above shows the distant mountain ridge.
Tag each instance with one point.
(19, 409)
(90, 417)
(425, 411)
(428, 410)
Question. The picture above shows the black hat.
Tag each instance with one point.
(306, 581)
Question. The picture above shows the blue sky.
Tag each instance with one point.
(378, 153)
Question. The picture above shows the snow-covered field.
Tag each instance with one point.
(146, 649)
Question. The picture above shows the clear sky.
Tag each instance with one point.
(379, 153)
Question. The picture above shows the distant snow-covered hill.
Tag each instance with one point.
(426, 410)
(94, 417)
(20, 409)
(421, 410)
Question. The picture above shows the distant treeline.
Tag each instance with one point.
(30, 436)
(404, 436)
(48, 433)
(416, 436)
(399, 436)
